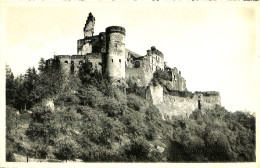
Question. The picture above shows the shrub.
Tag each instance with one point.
(10, 156)
(67, 149)
(112, 108)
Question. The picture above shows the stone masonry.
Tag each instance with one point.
(107, 54)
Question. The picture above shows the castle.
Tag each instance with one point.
(106, 53)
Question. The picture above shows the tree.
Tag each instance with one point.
(10, 86)
(52, 80)
(42, 129)
(138, 150)
(30, 85)
(20, 93)
(67, 149)
(42, 65)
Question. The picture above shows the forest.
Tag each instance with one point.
(94, 121)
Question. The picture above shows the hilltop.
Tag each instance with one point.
(56, 117)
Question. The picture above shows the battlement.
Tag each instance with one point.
(208, 93)
(115, 29)
(190, 94)
(94, 55)
(154, 51)
(78, 57)
(89, 55)
(61, 56)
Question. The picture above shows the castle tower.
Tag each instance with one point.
(115, 50)
(89, 26)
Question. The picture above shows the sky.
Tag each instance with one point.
(214, 46)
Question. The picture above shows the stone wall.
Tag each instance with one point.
(141, 75)
(75, 61)
(102, 42)
(154, 94)
(177, 106)
(177, 81)
(90, 45)
(85, 47)
(181, 103)
(208, 99)
(65, 63)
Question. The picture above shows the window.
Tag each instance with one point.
(112, 60)
(199, 105)
(66, 62)
(120, 60)
(137, 64)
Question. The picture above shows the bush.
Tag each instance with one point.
(136, 103)
(10, 156)
(67, 149)
(138, 150)
(112, 108)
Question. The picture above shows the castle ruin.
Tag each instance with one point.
(107, 54)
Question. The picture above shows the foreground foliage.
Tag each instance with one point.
(96, 122)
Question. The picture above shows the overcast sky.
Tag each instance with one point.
(213, 46)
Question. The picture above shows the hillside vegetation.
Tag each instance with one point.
(96, 122)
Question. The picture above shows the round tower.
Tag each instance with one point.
(115, 52)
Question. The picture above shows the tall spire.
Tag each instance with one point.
(89, 26)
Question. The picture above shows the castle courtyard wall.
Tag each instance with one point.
(176, 105)
(67, 61)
